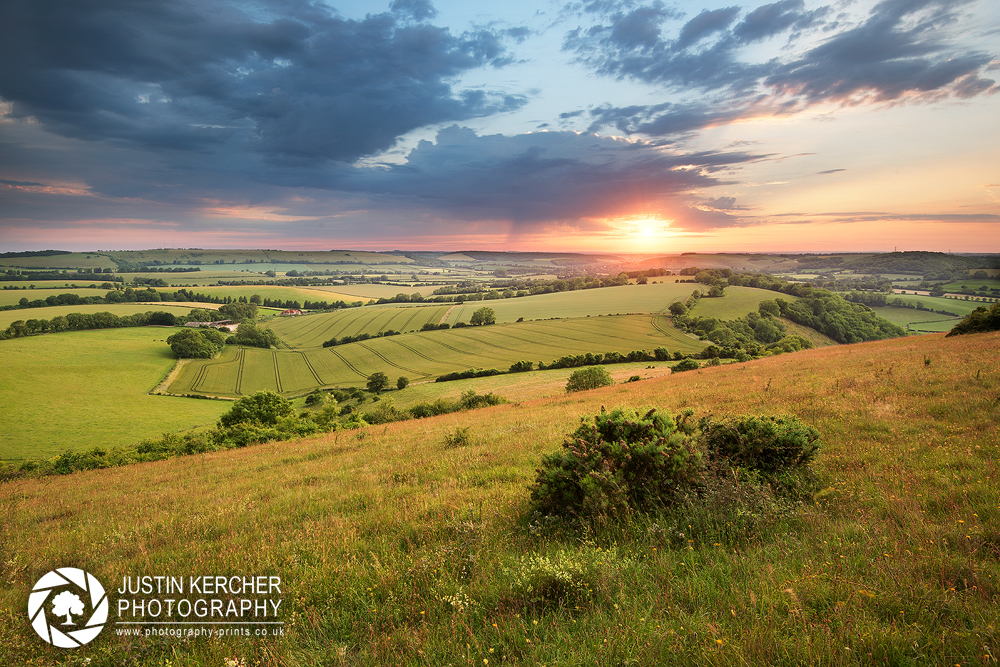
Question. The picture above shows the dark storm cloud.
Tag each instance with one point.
(541, 177)
(900, 50)
(290, 80)
(23, 184)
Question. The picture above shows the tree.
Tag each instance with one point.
(67, 603)
(263, 406)
(377, 381)
(252, 335)
(484, 315)
(239, 311)
(196, 343)
(591, 377)
(402, 382)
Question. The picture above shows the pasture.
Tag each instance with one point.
(923, 321)
(737, 302)
(396, 548)
(422, 355)
(83, 389)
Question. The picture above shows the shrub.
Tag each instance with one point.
(623, 461)
(460, 437)
(470, 400)
(263, 406)
(770, 445)
(685, 365)
(589, 378)
(316, 397)
(384, 413)
(402, 382)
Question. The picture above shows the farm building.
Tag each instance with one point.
(291, 312)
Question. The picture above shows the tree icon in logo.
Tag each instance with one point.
(67, 603)
(72, 591)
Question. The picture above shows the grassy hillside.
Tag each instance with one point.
(394, 548)
(83, 389)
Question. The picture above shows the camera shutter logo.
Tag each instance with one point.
(72, 586)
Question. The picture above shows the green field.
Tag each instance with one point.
(924, 321)
(120, 309)
(737, 302)
(973, 284)
(423, 355)
(312, 330)
(84, 389)
(580, 303)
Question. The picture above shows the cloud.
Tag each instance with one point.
(543, 177)
(22, 184)
(830, 171)
(901, 51)
(288, 80)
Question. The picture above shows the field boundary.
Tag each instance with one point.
(161, 386)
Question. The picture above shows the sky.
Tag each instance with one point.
(597, 126)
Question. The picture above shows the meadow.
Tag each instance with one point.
(420, 355)
(923, 321)
(83, 389)
(395, 548)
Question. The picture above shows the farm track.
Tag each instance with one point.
(392, 363)
(606, 335)
(277, 373)
(240, 356)
(487, 343)
(199, 378)
(406, 323)
(346, 362)
(309, 328)
(413, 350)
(312, 370)
(538, 343)
(455, 349)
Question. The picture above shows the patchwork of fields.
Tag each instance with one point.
(422, 355)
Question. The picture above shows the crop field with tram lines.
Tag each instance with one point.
(422, 355)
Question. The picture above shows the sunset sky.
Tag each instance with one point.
(600, 125)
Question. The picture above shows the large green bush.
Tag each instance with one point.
(265, 407)
(769, 445)
(621, 461)
(591, 377)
